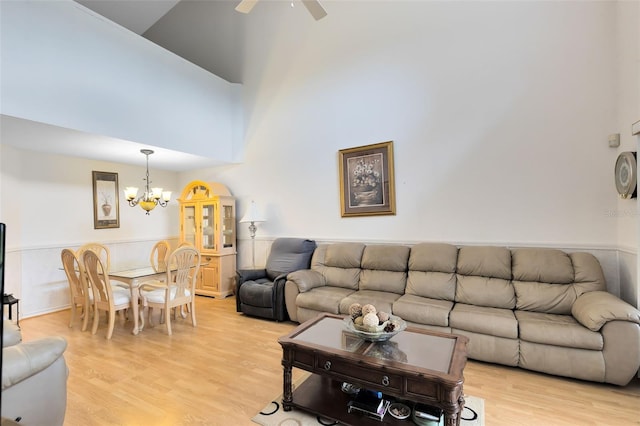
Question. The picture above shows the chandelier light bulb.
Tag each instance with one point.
(151, 197)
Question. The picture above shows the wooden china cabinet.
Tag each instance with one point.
(208, 221)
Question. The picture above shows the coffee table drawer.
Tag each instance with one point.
(331, 366)
(303, 360)
(423, 388)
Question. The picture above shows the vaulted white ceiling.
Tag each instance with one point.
(185, 28)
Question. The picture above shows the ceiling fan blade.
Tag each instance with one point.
(245, 6)
(315, 9)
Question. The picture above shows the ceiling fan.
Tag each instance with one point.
(313, 6)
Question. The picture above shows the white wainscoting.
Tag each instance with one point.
(35, 275)
(619, 266)
(628, 267)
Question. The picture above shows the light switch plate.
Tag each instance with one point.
(614, 140)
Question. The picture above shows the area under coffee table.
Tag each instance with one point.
(415, 365)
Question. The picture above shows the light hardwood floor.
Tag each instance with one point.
(227, 368)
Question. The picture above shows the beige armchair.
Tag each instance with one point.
(34, 378)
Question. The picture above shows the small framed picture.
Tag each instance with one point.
(106, 211)
(366, 180)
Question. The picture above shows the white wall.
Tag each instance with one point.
(499, 113)
(62, 64)
(628, 111)
(47, 203)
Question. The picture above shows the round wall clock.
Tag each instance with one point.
(626, 174)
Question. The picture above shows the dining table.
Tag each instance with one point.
(133, 278)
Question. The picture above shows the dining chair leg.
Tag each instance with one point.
(167, 318)
(112, 321)
(148, 312)
(85, 317)
(73, 314)
(96, 320)
(193, 312)
(168, 324)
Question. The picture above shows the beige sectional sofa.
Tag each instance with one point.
(540, 309)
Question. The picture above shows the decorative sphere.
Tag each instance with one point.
(358, 320)
(366, 309)
(355, 310)
(370, 320)
(383, 316)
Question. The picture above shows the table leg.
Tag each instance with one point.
(138, 317)
(454, 419)
(287, 392)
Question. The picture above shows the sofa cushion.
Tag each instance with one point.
(541, 278)
(432, 268)
(434, 285)
(323, 299)
(485, 262)
(384, 268)
(542, 265)
(433, 257)
(423, 310)
(387, 281)
(256, 293)
(485, 320)
(549, 281)
(385, 257)
(588, 275)
(484, 275)
(344, 255)
(339, 264)
(382, 300)
(485, 291)
(557, 330)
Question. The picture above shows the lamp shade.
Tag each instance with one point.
(252, 214)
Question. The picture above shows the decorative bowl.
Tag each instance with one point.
(399, 410)
(376, 334)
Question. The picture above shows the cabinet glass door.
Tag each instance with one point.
(208, 227)
(189, 225)
(227, 226)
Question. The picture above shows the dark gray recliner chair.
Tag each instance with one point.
(260, 292)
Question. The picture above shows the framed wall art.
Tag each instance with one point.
(366, 180)
(106, 211)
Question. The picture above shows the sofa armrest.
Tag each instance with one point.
(22, 361)
(595, 308)
(306, 279)
(11, 334)
(250, 274)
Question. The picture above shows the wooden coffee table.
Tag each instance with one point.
(414, 365)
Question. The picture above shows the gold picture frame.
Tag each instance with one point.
(106, 208)
(367, 185)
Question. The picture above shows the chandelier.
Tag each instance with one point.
(151, 197)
